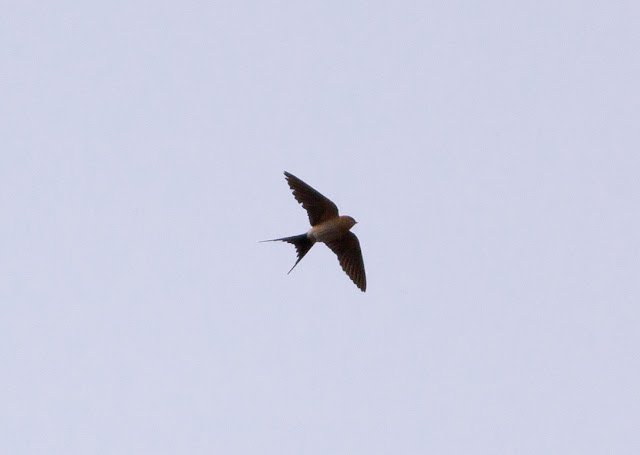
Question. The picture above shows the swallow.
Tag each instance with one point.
(328, 227)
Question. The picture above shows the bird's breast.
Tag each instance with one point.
(327, 231)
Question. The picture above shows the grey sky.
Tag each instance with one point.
(489, 150)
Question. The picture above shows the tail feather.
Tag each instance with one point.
(302, 243)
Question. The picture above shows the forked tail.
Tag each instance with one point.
(302, 243)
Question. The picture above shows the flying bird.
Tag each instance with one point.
(328, 227)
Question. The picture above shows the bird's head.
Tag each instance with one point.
(349, 222)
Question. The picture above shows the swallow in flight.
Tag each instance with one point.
(327, 227)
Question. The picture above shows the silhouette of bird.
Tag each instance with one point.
(328, 227)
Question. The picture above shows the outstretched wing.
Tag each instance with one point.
(347, 248)
(318, 207)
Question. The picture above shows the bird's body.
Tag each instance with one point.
(330, 230)
(327, 227)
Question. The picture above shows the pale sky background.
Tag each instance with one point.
(489, 150)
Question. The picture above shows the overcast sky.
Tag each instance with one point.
(489, 150)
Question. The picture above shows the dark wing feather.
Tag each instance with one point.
(318, 207)
(347, 248)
